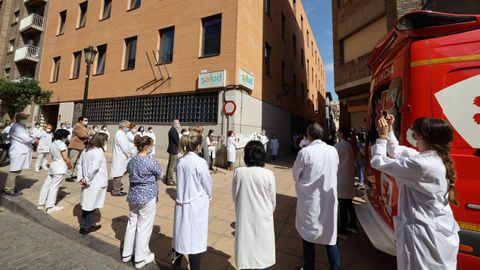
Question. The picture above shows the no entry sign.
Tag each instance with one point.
(229, 107)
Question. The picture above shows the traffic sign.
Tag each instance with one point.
(229, 107)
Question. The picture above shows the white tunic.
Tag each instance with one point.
(315, 174)
(253, 192)
(231, 149)
(121, 153)
(212, 149)
(274, 145)
(20, 148)
(45, 140)
(346, 170)
(425, 229)
(154, 138)
(58, 165)
(92, 167)
(194, 191)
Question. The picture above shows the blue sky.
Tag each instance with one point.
(319, 14)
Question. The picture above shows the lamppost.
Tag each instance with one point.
(90, 53)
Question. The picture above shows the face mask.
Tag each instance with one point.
(48, 130)
(68, 126)
(125, 129)
(150, 149)
(23, 121)
(141, 130)
(149, 130)
(104, 129)
(410, 138)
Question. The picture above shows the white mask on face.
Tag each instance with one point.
(48, 130)
(104, 129)
(23, 121)
(410, 138)
(150, 149)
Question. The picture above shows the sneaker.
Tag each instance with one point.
(353, 230)
(342, 236)
(126, 259)
(12, 192)
(41, 207)
(150, 258)
(54, 209)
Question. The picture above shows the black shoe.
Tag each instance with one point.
(119, 194)
(12, 193)
(70, 179)
(85, 231)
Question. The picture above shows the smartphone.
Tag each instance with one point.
(385, 113)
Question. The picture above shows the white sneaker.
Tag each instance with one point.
(150, 258)
(54, 209)
(126, 259)
(41, 207)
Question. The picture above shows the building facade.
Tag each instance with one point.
(357, 26)
(158, 61)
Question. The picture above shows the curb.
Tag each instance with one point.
(23, 207)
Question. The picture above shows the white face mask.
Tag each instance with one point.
(23, 121)
(104, 129)
(48, 130)
(410, 138)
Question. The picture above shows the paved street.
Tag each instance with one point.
(356, 252)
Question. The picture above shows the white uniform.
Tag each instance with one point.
(264, 140)
(121, 153)
(304, 143)
(92, 167)
(154, 138)
(131, 139)
(56, 172)
(34, 131)
(253, 191)
(194, 191)
(274, 145)
(315, 174)
(20, 148)
(231, 149)
(425, 229)
(346, 170)
(43, 148)
(108, 137)
(212, 149)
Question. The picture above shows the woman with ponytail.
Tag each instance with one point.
(194, 191)
(425, 229)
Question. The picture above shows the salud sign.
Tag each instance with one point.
(246, 79)
(214, 79)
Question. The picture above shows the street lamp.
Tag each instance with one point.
(90, 53)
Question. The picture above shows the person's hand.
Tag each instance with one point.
(69, 166)
(390, 120)
(83, 183)
(382, 127)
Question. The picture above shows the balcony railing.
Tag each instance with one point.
(33, 21)
(27, 53)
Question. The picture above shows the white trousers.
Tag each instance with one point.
(42, 160)
(48, 193)
(139, 230)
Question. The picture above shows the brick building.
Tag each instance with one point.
(161, 60)
(357, 26)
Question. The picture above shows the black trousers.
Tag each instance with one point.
(87, 219)
(309, 256)
(193, 259)
(347, 209)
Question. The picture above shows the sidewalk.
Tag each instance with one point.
(356, 253)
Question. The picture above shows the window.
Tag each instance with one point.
(312, 75)
(294, 85)
(301, 23)
(311, 46)
(130, 53)
(56, 69)
(11, 45)
(77, 60)
(134, 4)
(16, 17)
(308, 70)
(7, 73)
(266, 6)
(107, 9)
(82, 20)
(284, 22)
(308, 37)
(267, 55)
(61, 22)
(101, 59)
(302, 55)
(294, 45)
(283, 73)
(212, 29)
(316, 81)
(165, 55)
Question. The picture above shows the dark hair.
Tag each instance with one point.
(104, 126)
(150, 128)
(140, 142)
(80, 119)
(37, 124)
(183, 130)
(141, 127)
(345, 131)
(61, 134)
(98, 140)
(229, 133)
(315, 131)
(254, 154)
(438, 135)
(210, 132)
(95, 126)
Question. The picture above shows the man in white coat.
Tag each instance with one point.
(274, 146)
(121, 154)
(315, 175)
(21, 147)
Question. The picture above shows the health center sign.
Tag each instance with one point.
(246, 79)
(214, 79)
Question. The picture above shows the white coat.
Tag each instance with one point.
(154, 138)
(253, 192)
(121, 153)
(264, 140)
(58, 165)
(346, 170)
(212, 149)
(231, 149)
(20, 148)
(274, 145)
(92, 167)
(45, 140)
(194, 191)
(315, 174)
(425, 230)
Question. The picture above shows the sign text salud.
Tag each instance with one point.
(214, 79)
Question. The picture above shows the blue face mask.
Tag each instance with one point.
(126, 129)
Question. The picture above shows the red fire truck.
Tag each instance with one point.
(429, 65)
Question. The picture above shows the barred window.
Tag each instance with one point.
(155, 110)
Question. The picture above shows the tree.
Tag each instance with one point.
(16, 95)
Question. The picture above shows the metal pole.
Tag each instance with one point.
(85, 93)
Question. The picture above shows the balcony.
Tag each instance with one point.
(33, 22)
(28, 53)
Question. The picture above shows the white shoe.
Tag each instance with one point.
(126, 259)
(41, 207)
(45, 168)
(54, 209)
(37, 170)
(150, 258)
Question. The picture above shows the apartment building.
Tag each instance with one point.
(357, 26)
(161, 60)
